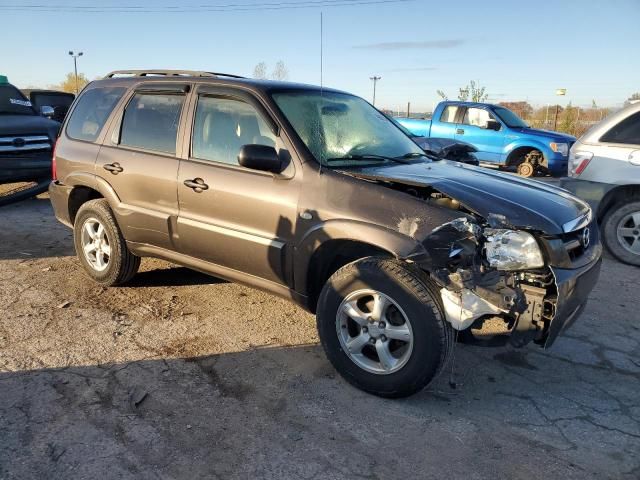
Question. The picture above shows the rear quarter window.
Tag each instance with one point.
(92, 111)
(627, 131)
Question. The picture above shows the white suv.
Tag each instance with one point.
(604, 169)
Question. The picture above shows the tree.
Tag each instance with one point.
(442, 95)
(280, 71)
(522, 109)
(633, 97)
(260, 71)
(69, 83)
(472, 92)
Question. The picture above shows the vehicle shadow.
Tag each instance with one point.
(171, 277)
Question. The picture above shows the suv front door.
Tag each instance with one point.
(138, 159)
(239, 219)
(473, 129)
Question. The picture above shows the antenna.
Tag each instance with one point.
(321, 86)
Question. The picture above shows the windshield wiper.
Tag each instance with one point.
(420, 154)
(367, 157)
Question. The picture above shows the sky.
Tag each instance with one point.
(517, 50)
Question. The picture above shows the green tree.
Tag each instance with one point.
(69, 83)
(473, 92)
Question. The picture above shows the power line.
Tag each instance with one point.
(230, 7)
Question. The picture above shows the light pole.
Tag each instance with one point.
(75, 65)
(375, 80)
(560, 92)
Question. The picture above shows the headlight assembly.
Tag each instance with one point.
(561, 148)
(512, 250)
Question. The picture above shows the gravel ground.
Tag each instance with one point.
(180, 375)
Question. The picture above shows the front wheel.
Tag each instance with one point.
(621, 232)
(382, 327)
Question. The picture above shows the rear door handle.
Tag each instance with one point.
(460, 131)
(114, 168)
(197, 184)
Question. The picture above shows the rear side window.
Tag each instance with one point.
(151, 122)
(449, 114)
(91, 112)
(627, 131)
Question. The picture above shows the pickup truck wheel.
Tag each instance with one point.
(621, 232)
(100, 246)
(382, 326)
(526, 169)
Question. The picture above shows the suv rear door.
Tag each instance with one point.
(241, 219)
(139, 160)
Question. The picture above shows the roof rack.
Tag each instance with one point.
(167, 73)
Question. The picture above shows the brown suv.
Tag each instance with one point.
(315, 195)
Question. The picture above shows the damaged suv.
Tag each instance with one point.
(314, 195)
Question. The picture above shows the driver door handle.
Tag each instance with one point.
(114, 168)
(197, 184)
(460, 131)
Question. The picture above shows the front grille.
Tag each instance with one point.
(23, 145)
(576, 243)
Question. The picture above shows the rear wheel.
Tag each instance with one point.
(621, 232)
(382, 326)
(100, 246)
(18, 191)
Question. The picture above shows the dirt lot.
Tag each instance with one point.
(180, 375)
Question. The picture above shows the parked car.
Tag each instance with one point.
(315, 195)
(604, 169)
(59, 101)
(500, 136)
(26, 140)
(442, 148)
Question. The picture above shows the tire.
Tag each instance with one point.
(119, 265)
(621, 216)
(12, 193)
(412, 303)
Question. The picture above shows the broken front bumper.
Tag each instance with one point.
(574, 287)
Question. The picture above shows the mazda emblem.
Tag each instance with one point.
(585, 237)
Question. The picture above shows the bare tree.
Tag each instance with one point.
(442, 95)
(260, 71)
(280, 71)
(473, 92)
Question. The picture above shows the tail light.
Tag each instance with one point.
(578, 161)
(54, 172)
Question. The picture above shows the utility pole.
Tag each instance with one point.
(75, 66)
(375, 80)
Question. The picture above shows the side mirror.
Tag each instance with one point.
(260, 157)
(47, 111)
(492, 125)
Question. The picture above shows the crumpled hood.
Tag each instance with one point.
(28, 125)
(547, 134)
(524, 203)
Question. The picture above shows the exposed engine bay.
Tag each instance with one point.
(486, 292)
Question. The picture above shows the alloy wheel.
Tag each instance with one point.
(95, 244)
(628, 232)
(374, 332)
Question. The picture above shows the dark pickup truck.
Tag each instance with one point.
(26, 142)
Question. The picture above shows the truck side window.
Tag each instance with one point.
(91, 112)
(449, 114)
(627, 131)
(476, 116)
(151, 122)
(223, 125)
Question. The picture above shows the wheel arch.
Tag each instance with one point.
(619, 194)
(521, 150)
(335, 244)
(87, 187)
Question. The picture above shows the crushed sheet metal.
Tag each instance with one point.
(463, 308)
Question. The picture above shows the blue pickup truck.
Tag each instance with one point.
(501, 137)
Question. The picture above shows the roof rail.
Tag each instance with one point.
(167, 73)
